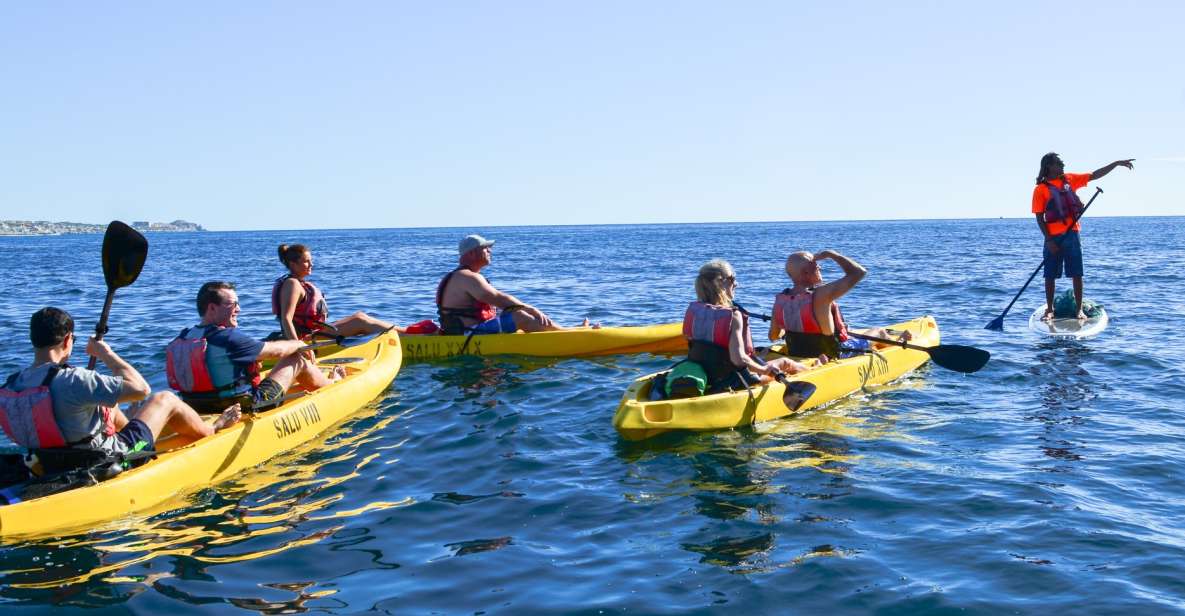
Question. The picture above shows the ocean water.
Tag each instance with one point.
(1050, 481)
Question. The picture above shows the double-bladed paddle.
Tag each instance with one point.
(997, 323)
(124, 253)
(955, 357)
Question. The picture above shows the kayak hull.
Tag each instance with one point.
(666, 338)
(182, 466)
(639, 418)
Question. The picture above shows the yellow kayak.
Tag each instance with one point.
(666, 338)
(639, 418)
(182, 465)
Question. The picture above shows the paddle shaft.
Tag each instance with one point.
(1058, 240)
(890, 341)
(101, 326)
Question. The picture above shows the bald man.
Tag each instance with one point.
(807, 314)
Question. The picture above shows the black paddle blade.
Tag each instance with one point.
(797, 393)
(997, 324)
(959, 358)
(124, 253)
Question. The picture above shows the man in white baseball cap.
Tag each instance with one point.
(467, 303)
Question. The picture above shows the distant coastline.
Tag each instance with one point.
(43, 227)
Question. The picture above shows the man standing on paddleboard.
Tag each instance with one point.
(1056, 206)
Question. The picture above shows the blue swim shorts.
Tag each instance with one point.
(501, 324)
(1070, 256)
(853, 346)
(135, 432)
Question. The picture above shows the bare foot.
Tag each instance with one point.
(823, 359)
(1082, 318)
(338, 373)
(586, 323)
(229, 417)
(1048, 316)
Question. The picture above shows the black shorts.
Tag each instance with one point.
(266, 393)
(134, 433)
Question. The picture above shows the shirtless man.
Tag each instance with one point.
(807, 313)
(468, 304)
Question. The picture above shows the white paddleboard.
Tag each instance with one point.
(1067, 328)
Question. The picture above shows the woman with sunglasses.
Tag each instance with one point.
(718, 335)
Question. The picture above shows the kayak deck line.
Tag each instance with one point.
(639, 418)
(582, 342)
(184, 464)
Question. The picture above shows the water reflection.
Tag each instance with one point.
(289, 503)
(1066, 387)
(744, 483)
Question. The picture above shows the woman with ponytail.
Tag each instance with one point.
(300, 307)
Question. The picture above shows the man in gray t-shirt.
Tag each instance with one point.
(85, 402)
(77, 394)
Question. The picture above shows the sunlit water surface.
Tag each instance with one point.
(1049, 481)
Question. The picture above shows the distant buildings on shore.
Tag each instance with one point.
(43, 227)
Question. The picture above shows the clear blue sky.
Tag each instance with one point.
(281, 115)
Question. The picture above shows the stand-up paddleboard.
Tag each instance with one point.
(1067, 328)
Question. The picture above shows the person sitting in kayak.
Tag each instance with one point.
(52, 405)
(300, 307)
(807, 314)
(467, 303)
(1057, 208)
(718, 336)
(213, 363)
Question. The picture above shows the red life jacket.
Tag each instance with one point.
(185, 364)
(804, 336)
(797, 313)
(707, 323)
(186, 368)
(27, 417)
(1063, 204)
(450, 318)
(311, 311)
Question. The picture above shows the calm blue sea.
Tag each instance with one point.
(1049, 482)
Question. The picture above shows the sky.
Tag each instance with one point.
(306, 115)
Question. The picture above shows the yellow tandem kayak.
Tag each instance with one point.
(639, 418)
(182, 465)
(667, 338)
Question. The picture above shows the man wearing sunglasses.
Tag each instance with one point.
(214, 364)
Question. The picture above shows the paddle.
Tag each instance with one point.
(955, 357)
(124, 252)
(797, 392)
(343, 341)
(997, 324)
(950, 356)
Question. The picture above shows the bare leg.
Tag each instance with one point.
(1078, 297)
(361, 323)
(1050, 285)
(297, 368)
(529, 323)
(785, 365)
(165, 409)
